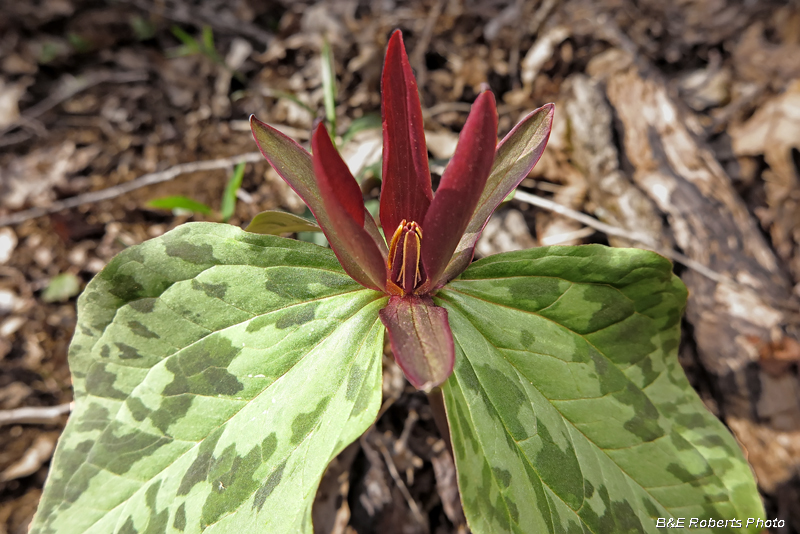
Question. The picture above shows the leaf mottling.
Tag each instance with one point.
(126, 287)
(100, 382)
(305, 422)
(126, 352)
(141, 330)
(196, 435)
(171, 410)
(119, 447)
(266, 490)
(143, 305)
(232, 483)
(201, 369)
(296, 316)
(197, 254)
(216, 291)
(620, 434)
(198, 470)
(179, 522)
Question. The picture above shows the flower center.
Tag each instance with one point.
(403, 263)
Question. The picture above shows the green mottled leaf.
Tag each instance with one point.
(179, 202)
(569, 411)
(280, 222)
(216, 373)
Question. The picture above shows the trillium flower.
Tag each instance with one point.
(430, 238)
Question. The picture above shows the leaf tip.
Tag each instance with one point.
(550, 110)
(254, 122)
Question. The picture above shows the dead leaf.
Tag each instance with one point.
(776, 357)
(774, 132)
(36, 455)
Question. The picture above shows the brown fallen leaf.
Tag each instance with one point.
(774, 132)
(776, 357)
(37, 454)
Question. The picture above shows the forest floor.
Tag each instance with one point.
(679, 122)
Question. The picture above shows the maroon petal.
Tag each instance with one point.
(406, 190)
(344, 206)
(460, 188)
(421, 339)
(514, 158)
(293, 163)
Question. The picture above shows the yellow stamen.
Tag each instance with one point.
(393, 244)
(401, 240)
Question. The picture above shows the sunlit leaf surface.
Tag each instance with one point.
(569, 411)
(216, 374)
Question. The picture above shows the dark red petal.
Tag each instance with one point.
(421, 339)
(460, 188)
(328, 162)
(293, 163)
(406, 190)
(514, 158)
(344, 207)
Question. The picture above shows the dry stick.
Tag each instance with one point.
(127, 187)
(412, 504)
(620, 232)
(418, 55)
(513, 55)
(69, 89)
(34, 414)
(464, 107)
(541, 14)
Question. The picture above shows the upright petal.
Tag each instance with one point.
(421, 339)
(514, 158)
(406, 190)
(344, 207)
(460, 188)
(293, 163)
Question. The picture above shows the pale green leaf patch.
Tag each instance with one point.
(216, 374)
(569, 411)
(61, 288)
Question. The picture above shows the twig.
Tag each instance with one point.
(541, 14)
(418, 55)
(513, 55)
(34, 414)
(127, 187)
(14, 138)
(69, 88)
(412, 504)
(620, 232)
(464, 107)
(444, 107)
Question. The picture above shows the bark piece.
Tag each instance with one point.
(712, 225)
(615, 198)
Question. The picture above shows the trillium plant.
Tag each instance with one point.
(218, 371)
